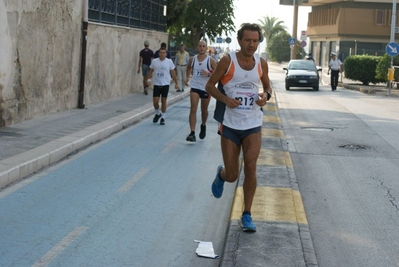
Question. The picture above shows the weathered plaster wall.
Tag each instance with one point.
(40, 57)
(42, 50)
(112, 59)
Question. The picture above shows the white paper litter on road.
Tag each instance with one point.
(205, 249)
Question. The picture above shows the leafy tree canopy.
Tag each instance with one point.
(278, 48)
(271, 27)
(216, 16)
(175, 9)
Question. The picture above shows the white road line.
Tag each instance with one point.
(49, 256)
(132, 181)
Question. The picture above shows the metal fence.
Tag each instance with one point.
(142, 14)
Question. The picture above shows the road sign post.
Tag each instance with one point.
(392, 49)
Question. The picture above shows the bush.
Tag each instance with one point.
(362, 68)
(384, 64)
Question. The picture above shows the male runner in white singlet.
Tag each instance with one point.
(240, 73)
(200, 66)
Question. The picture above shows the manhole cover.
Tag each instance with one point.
(320, 129)
(354, 146)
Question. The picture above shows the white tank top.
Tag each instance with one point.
(244, 85)
(198, 81)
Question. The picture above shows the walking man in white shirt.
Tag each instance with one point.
(163, 70)
(335, 65)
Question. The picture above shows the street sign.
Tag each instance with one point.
(228, 40)
(291, 41)
(392, 49)
(219, 40)
(303, 43)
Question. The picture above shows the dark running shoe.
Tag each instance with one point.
(156, 118)
(162, 121)
(217, 185)
(191, 138)
(202, 133)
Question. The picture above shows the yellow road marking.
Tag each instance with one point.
(272, 100)
(273, 133)
(274, 158)
(273, 119)
(272, 204)
(270, 108)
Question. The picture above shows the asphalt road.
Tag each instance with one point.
(345, 151)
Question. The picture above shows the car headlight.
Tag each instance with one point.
(291, 77)
(313, 77)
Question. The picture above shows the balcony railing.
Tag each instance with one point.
(142, 14)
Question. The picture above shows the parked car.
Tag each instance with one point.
(302, 73)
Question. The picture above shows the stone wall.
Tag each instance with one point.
(40, 57)
(112, 60)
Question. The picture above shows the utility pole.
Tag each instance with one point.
(295, 30)
(393, 25)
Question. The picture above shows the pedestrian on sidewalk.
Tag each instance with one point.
(163, 45)
(335, 65)
(163, 70)
(200, 67)
(240, 73)
(144, 62)
(181, 60)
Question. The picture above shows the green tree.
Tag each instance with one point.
(212, 17)
(278, 47)
(175, 9)
(271, 27)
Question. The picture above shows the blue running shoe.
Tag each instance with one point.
(217, 185)
(247, 225)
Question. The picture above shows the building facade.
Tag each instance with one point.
(355, 27)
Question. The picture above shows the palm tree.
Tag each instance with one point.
(271, 27)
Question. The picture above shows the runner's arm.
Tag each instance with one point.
(216, 76)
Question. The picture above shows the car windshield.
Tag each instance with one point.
(302, 65)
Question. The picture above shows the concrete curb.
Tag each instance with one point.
(17, 167)
(371, 90)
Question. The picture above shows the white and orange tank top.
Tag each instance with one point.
(243, 85)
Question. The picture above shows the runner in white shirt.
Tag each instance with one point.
(163, 70)
(200, 67)
(240, 73)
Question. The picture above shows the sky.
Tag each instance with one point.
(254, 10)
